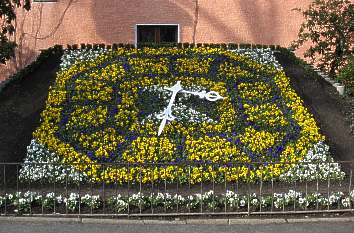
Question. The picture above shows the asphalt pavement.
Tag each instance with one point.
(254, 226)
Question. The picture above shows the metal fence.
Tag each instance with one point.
(167, 198)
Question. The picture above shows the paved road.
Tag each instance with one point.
(63, 227)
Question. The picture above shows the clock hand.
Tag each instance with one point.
(175, 89)
(167, 113)
(211, 95)
(162, 126)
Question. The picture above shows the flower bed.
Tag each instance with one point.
(106, 107)
(48, 202)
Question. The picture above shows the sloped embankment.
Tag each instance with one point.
(21, 103)
(323, 101)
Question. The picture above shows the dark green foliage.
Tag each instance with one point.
(245, 46)
(7, 17)
(75, 46)
(223, 45)
(308, 70)
(329, 26)
(272, 47)
(233, 46)
(186, 45)
(346, 76)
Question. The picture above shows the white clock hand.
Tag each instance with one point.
(211, 95)
(167, 113)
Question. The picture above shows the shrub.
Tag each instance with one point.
(346, 76)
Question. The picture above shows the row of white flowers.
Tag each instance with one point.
(70, 57)
(263, 56)
(41, 164)
(318, 164)
(23, 202)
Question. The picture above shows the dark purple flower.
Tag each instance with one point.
(91, 154)
(126, 66)
(64, 120)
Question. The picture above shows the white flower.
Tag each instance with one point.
(346, 202)
(254, 202)
(317, 164)
(37, 153)
(242, 203)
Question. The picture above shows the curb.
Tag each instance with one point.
(245, 221)
(39, 220)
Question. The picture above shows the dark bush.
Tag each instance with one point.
(346, 77)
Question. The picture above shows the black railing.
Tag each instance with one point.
(79, 194)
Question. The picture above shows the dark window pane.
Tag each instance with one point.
(157, 34)
(146, 34)
(168, 33)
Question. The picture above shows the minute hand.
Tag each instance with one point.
(167, 113)
(211, 95)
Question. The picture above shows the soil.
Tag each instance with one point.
(22, 102)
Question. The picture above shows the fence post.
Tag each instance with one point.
(128, 198)
(225, 187)
(272, 183)
(55, 193)
(5, 190)
(201, 189)
(140, 189)
(165, 189)
(350, 185)
(189, 187)
(260, 191)
(104, 168)
(91, 191)
(328, 184)
(248, 192)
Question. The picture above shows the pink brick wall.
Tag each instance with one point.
(110, 21)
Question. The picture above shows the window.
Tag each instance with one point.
(156, 33)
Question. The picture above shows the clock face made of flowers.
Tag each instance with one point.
(201, 106)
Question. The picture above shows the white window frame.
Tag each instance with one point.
(156, 24)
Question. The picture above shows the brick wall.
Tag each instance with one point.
(109, 21)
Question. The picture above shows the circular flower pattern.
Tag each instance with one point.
(104, 110)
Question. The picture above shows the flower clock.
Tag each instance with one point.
(145, 115)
